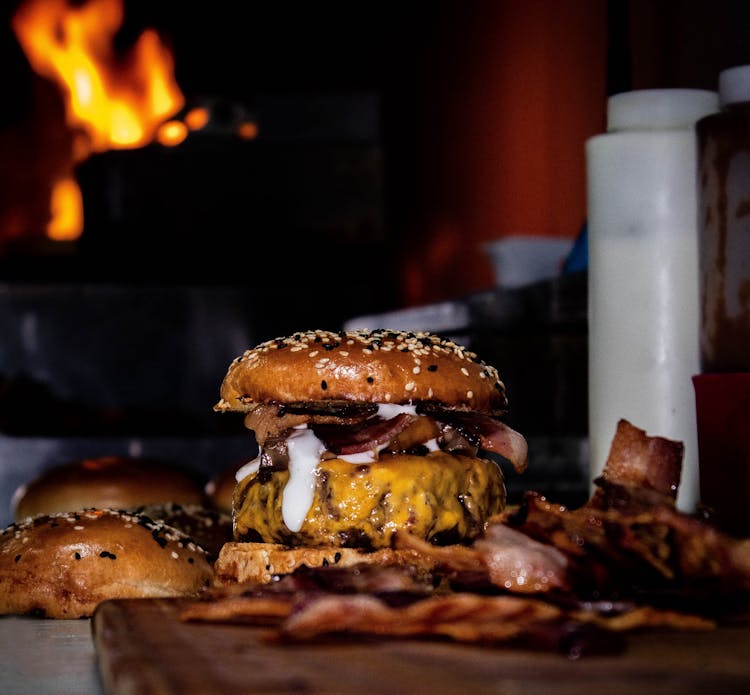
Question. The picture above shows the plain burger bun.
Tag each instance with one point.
(364, 366)
(63, 565)
(363, 434)
(114, 482)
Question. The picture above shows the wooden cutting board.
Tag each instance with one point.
(143, 648)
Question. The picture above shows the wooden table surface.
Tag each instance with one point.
(144, 648)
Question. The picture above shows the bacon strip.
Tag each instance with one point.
(366, 436)
(638, 460)
(520, 564)
(463, 617)
(486, 432)
(508, 443)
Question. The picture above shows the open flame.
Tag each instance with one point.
(111, 101)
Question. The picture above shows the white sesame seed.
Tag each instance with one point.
(78, 528)
(175, 555)
(470, 394)
(410, 386)
(464, 371)
(313, 353)
(344, 353)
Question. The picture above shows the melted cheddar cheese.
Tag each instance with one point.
(439, 497)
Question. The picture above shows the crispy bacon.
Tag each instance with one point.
(365, 436)
(485, 432)
(520, 564)
(462, 617)
(646, 463)
(541, 576)
(271, 420)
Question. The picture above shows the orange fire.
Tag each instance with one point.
(113, 101)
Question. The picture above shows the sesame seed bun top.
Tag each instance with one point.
(63, 565)
(383, 366)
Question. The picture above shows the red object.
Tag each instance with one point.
(723, 415)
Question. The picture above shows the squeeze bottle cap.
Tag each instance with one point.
(734, 85)
(648, 109)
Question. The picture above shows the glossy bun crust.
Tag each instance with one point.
(382, 366)
(105, 482)
(63, 565)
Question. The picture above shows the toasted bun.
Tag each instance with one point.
(63, 565)
(106, 482)
(365, 366)
(261, 562)
(220, 488)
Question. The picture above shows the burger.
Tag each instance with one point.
(362, 435)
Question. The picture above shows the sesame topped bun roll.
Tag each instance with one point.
(366, 433)
(63, 565)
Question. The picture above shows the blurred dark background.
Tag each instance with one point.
(389, 142)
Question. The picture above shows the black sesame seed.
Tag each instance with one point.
(370, 380)
(190, 560)
(78, 556)
(337, 557)
(325, 562)
(17, 558)
(432, 368)
(323, 385)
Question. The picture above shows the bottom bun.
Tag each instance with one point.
(63, 565)
(260, 563)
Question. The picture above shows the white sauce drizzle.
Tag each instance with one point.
(360, 456)
(304, 454)
(390, 410)
(249, 468)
